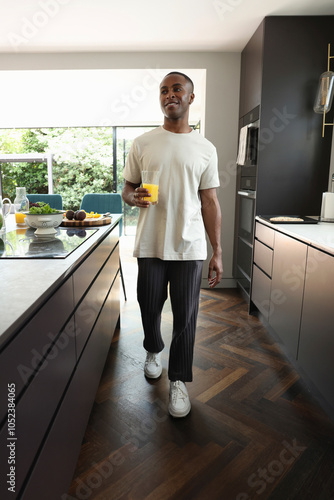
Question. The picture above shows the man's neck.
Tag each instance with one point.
(177, 126)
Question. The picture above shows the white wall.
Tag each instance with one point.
(89, 97)
(221, 107)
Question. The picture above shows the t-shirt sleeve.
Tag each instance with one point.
(132, 170)
(210, 176)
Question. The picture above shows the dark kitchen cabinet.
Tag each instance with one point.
(316, 345)
(262, 268)
(292, 289)
(39, 404)
(287, 290)
(45, 372)
(280, 69)
(293, 158)
(55, 362)
(278, 283)
(22, 357)
(85, 315)
(63, 443)
(251, 73)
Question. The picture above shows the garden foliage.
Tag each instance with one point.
(82, 162)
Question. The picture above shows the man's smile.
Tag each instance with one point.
(171, 103)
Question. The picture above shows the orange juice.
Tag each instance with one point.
(153, 190)
(20, 218)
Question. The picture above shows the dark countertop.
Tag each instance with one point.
(27, 283)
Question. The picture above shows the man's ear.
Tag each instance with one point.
(192, 97)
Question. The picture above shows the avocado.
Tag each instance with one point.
(80, 215)
(69, 214)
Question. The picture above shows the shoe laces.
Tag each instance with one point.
(177, 391)
(152, 358)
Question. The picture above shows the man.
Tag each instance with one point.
(170, 240)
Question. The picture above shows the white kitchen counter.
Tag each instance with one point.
(320, 235)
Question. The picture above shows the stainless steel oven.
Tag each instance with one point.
(246, 202)
(246, 197)
(246, 214)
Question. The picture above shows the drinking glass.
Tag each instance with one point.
(150, 181)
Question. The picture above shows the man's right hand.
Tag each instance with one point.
(134, 195)
(138, 197)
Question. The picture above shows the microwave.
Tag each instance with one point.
(249, 139)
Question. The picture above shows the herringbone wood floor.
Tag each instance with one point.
(254, 431)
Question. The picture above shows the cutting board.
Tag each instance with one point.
(86, 222)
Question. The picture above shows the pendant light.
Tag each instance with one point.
(325, 93)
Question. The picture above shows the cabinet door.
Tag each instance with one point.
(35, 409)
(265, 234)
(261, 286)
(86, 273)
(51, 476)
(316, 345)
(20, 360)
(287, 290)
(263, 257)
(262, 268)
(251, 72)
(89, 309)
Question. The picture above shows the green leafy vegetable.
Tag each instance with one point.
(44, 208)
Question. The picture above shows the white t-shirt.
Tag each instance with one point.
(173, 229)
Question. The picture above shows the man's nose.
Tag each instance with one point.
(170, 94)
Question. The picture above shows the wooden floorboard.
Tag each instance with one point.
(254, 432)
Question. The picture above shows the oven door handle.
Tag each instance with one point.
(248, 194)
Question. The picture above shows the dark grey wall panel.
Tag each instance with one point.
(294, 159)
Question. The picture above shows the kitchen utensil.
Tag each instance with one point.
(300, 219)
(102, 221)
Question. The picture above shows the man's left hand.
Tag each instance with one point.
(215, 270)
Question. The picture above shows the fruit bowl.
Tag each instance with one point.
(44, 224)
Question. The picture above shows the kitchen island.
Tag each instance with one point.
(58, 316)
(293, 290)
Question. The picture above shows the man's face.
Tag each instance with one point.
(175, 96)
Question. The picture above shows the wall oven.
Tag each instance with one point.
(246, 202)
(246, 214)
(246, 198)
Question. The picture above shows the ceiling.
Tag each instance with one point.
(140, 25)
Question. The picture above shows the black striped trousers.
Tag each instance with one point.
(184, 279)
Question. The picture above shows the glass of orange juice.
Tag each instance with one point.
(150, 181)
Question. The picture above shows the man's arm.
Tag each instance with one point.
(134, 195)
(212, 221)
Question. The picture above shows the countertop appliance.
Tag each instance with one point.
(327, 207)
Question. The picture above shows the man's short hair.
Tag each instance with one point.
(184, 76)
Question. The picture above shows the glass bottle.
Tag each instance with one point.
(21, 204)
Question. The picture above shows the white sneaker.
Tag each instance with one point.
(179, 403)
(153, 367)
